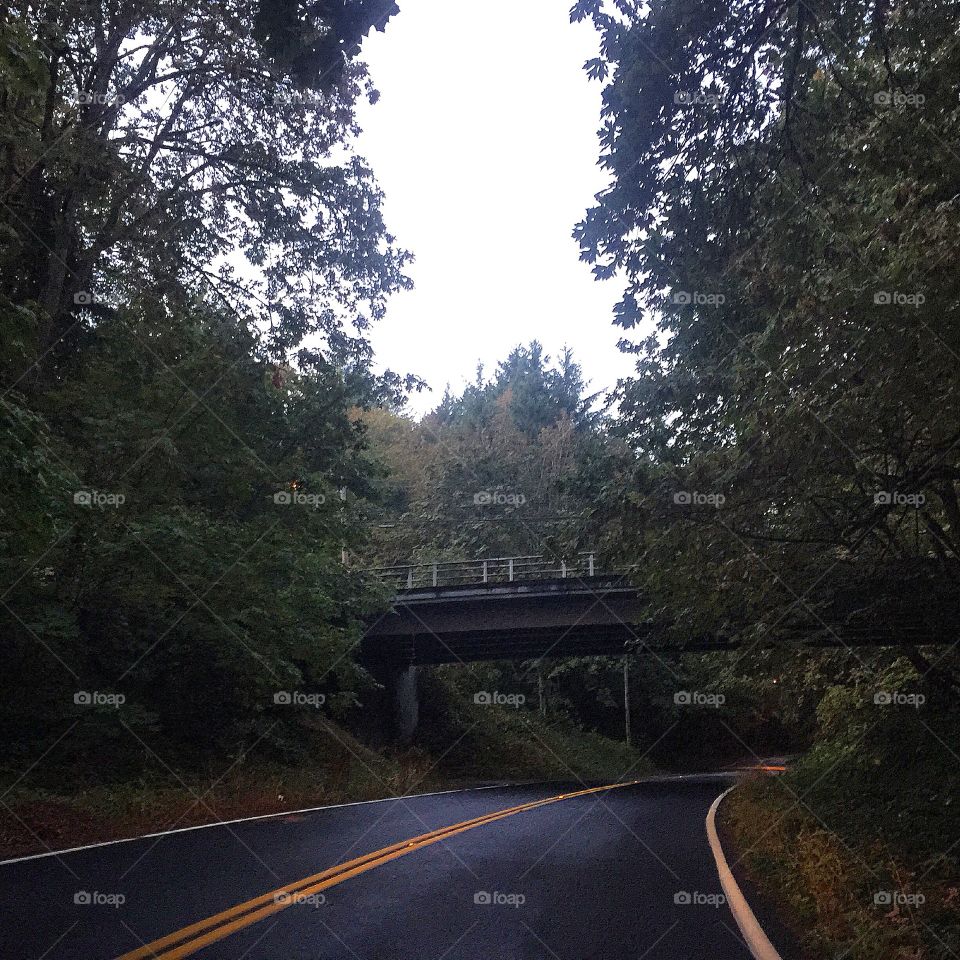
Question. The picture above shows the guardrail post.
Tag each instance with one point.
(410, 578)
(434, 574)
(590, 562)
(484, 571)
(510, 569)
(563, 569)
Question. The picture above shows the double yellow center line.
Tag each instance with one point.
(188, 940)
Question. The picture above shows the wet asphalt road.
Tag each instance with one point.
(586, 878)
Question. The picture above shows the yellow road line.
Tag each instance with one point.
(196, 936)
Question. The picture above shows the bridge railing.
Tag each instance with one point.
(449, 573)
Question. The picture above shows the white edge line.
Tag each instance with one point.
(757, 941)
(224, 823)
(290, 813)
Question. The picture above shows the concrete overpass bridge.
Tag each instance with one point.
(524, 608)
(529, 608)
(518, 608)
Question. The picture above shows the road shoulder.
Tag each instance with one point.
(758, 919)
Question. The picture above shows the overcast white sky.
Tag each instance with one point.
(484, 141)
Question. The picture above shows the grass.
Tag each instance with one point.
(339, 769)
(833, 889)
(485, 744)
(505, 743)
(860, 841)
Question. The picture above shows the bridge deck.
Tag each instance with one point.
(531, 607)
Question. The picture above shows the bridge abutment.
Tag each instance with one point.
(394, 710)
(405, 703)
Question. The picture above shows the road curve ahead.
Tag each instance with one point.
(597, 875)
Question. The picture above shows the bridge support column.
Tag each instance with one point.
(393, 711)
(406, 703)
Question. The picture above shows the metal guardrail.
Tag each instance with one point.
(451, 573)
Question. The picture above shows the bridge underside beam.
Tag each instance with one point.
(534, 643)
(577, 618)
(524, 643)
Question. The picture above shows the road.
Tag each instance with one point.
(594, 876)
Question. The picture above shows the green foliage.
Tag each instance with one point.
(198, 596)
(494, 471)
(334, 768)
(512, 742)
(206, 148)
(825, 872)
(182, 207)
(888, 771)
(784, 206)
(783, 211)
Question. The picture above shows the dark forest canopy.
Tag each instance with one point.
(496, 470)
(165, 151)
(784, 205)
(182, 210)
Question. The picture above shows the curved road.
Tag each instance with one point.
(620, 873)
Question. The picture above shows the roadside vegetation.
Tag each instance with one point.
(183, 211)
(472, 745)
(857, 840)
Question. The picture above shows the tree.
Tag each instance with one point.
(177, 569)
(162, 145)
(491, 472)
(182, 208)
(783, 202)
